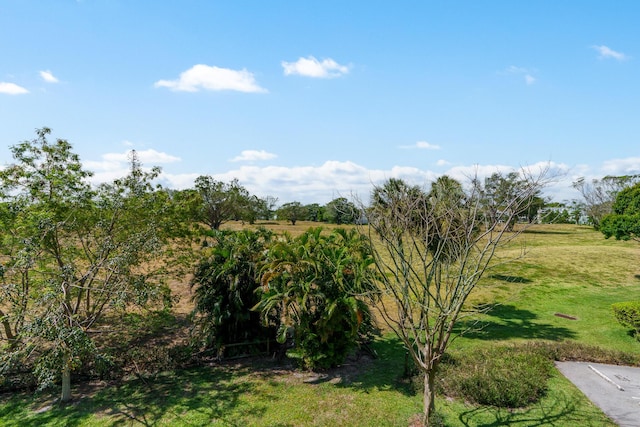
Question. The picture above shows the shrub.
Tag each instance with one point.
(509, 377)
(225, 282)
(315, 285)
(628, 314)
(573, 350)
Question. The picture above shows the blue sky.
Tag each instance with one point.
(312, 100)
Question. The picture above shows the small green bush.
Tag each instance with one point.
(508, 377)
(628, 314)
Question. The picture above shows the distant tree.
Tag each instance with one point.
(70, 253)
(220, 201)
(384, 198)
(624, 222)
(292, 211)
(499, 191)
(599, 194)
(430, 252)
(268, 207)
(341, 211)
(250, 208)
(315, 212)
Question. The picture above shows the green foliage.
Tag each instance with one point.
(314, 212)
(507, 377)
(498, 195)
(628, 314)
(319, 284)
(220, 202)
(225, 282)
(600, 194)
(341, 211)
(292, 211)
(624, 222)
(70, 252)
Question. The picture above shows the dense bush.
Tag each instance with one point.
(317, 285)
(509, 377)
(628, 314)
(225, 284)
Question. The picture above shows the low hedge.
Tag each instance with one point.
(628, 314)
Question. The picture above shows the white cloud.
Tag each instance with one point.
(332, 179)
(149, 156)
(48, 77)
(12, 89)
(605, 53)
(311, 67)
(529, 79)
(422, 145)
(427, 145)
(115, 165)
(442, 162)
(628, 166)
(212, 78)
(253, 155)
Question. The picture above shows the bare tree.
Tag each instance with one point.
(431, 249)
(599, 194)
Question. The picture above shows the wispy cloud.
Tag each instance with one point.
(311, 67)
(12, 89)
(527, 74)
(205, 77)
(422, 145)
(48, 77)
(604, 52)
(253, 155)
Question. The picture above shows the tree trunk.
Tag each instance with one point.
(429, 395)
(7, 329)
(66, 379)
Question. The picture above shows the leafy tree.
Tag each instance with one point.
(430, 252)
(69, 253)
(599, 194)
(292, 211)
(318, 285)
(220, 201)
(225, 282)
(341, 211)
(394, 191)
(315, 212)
(624, 222)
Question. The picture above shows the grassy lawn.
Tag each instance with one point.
(567, 270)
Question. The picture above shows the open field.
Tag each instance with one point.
(561, 290)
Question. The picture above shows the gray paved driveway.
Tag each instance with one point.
(614, 389)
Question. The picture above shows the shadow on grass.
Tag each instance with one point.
(386, 371)
(549, 412)
(512, 322)
(510, 279)
(191, 397)
(529, 231)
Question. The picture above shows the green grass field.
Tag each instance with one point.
(567, 270)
